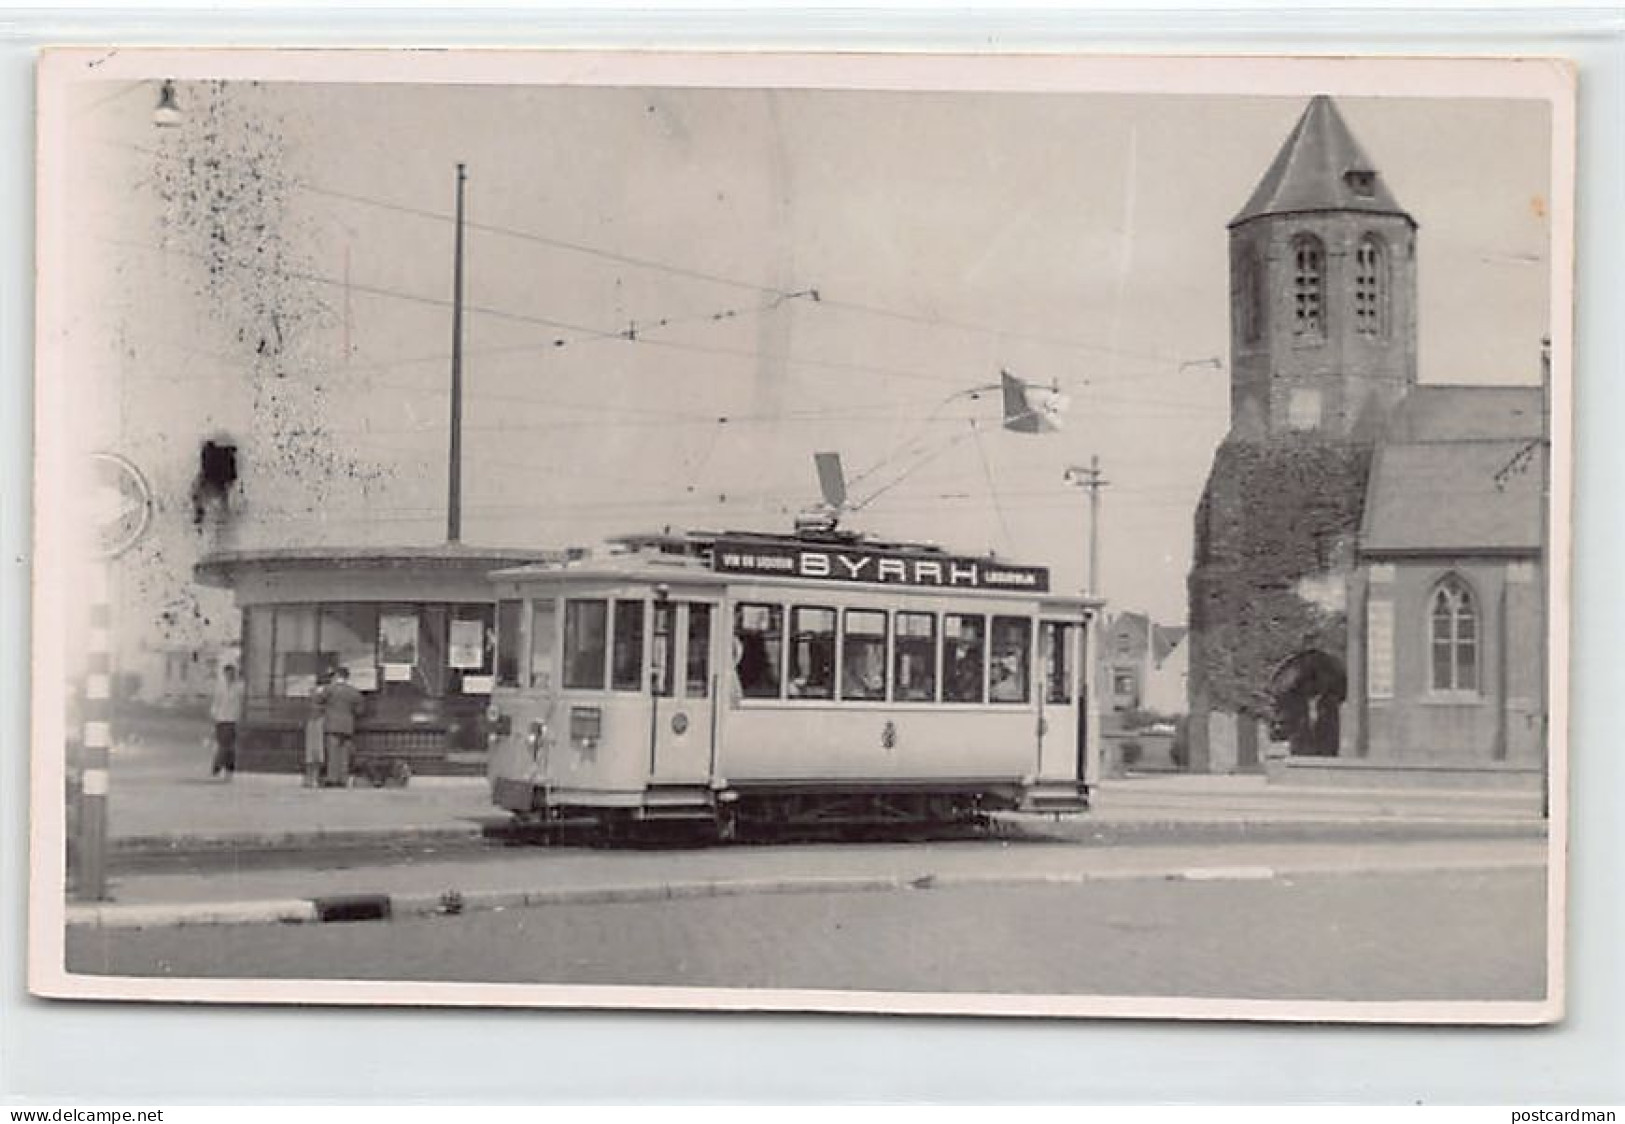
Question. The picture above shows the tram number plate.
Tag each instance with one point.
(586, 723)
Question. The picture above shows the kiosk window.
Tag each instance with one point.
(543, 622)
(698, 684)
(585, 625)
(259, 648)
(863, 655)
(812, 653)
(1055, 640)
(964, 646)
(348, 636)
(758, 650)
(296, 659)
(1010, 669)
(627, 665)
(916, 660)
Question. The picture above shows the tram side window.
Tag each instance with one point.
(543, 636)
(758, 636)
(863, 655)
(1055, 640)
(698, 684)
(585, 627)
(627, 664)
(1010, 669)
(812, 653)
(508, 617)
(964, 646)
(916, 658)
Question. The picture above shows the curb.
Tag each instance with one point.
(142, 845)
(493, 831)
(341, 908)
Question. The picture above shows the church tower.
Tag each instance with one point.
(1322, 290)
(1323, 347)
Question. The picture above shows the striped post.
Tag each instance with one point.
(98, 742)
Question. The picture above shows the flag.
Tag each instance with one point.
(1031, 409)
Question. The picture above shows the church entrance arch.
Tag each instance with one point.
(1306, 697)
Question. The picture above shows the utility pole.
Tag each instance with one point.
(454, 502)
(1091, 479)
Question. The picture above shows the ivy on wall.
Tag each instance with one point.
(1274, 512)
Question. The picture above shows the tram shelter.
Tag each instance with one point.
(415, 627)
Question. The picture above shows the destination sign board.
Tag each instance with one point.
(834, 563)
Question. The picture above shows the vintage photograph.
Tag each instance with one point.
(1011, 535)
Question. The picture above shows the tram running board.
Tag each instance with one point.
(1055, 798)
(678, 802)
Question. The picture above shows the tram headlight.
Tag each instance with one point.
(501, 724)
(536, 737)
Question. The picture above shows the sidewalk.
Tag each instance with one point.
(156, 806)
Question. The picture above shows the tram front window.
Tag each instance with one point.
(963, 650)
(916, 659)
(665, 641)
(585, 625)
(508, 642)
(1054, 637)
(627, 659)
(863, 655)
(543, 620)
(698, 684)
(1010, 666)
(758, 636)
(812, 654)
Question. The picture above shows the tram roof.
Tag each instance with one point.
(687, 557)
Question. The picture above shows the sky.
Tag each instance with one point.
(674, 297)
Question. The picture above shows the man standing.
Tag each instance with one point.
(341, 706)
(226, 708)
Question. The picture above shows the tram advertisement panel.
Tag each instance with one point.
(874, 567)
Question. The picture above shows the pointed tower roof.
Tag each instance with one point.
(1321, 167)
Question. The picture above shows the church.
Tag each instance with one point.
(1367, 594)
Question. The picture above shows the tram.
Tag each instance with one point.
(760, 682)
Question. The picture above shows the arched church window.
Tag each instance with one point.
(1308, 286)
(1370, 288)
(1454, 632)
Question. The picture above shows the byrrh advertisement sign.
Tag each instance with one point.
(873, 567)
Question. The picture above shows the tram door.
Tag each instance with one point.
(1063, 747)
(683, 681)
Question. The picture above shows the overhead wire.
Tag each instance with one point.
(823, 298)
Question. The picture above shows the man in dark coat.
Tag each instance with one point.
(341, 706)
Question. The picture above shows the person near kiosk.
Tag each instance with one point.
(341, 706)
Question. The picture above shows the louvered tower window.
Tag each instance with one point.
(1308, 287)
(1370, 288)
(1250, 298)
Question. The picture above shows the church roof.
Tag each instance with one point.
(1466, 413)
(1321, 167)
(1458, 471)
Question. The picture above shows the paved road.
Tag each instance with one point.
(1418, 935)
